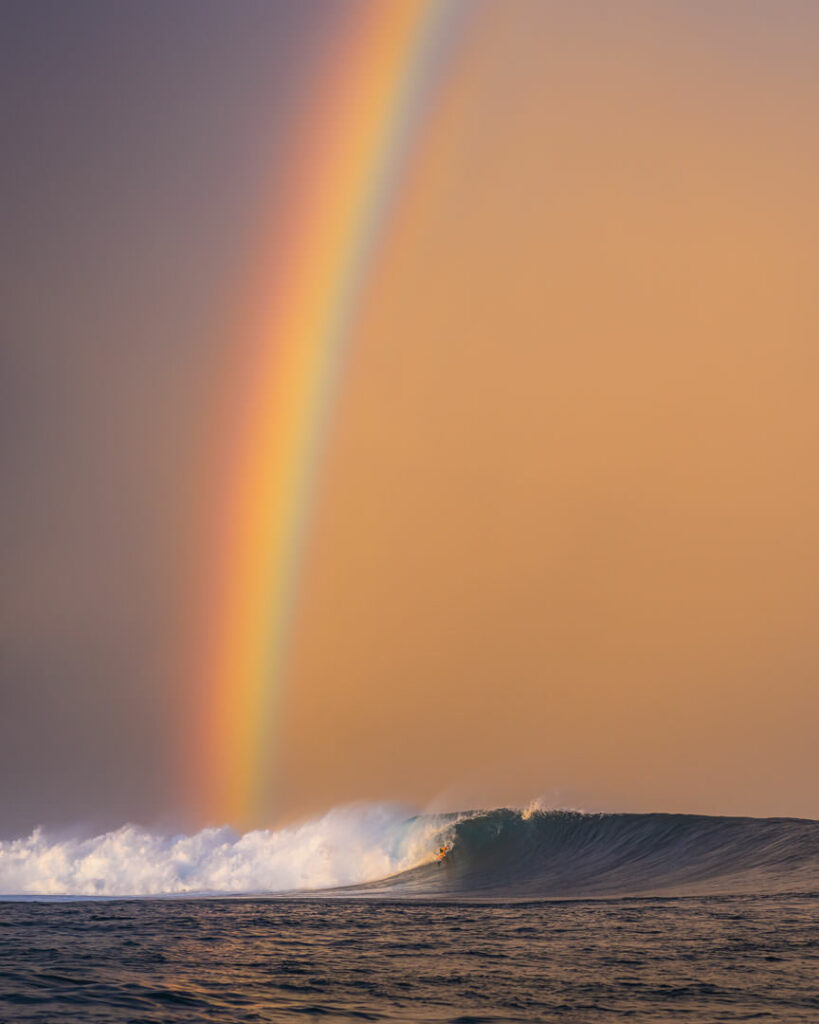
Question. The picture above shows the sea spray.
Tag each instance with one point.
(347, 846)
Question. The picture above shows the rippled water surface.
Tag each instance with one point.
(715, 958)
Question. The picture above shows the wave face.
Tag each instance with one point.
(507, 854)
(378, 852)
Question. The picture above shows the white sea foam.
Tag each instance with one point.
(347, 846)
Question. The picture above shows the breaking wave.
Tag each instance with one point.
(379, 852)
(536, 854)
(347, 846)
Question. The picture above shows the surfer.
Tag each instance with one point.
(443, 851)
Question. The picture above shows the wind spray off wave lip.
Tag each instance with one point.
(379, 852)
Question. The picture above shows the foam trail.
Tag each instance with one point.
(347, 846)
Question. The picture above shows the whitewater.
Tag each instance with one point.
(382, 851)
(346, 846)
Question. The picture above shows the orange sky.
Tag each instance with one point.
(566, 539)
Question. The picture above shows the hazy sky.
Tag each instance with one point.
(566, 539)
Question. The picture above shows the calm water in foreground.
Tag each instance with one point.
(697, 959)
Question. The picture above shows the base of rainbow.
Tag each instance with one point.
(367, 118)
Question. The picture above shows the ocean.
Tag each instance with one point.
(529, 917)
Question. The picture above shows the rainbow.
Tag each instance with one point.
(365, 122)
